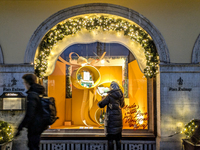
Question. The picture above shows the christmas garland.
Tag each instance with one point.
(5, 132)
(72, 26)
(190, 128)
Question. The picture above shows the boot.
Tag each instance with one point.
(110, 145)
(118, 143)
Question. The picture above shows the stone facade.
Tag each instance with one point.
(11, 81)
(177, 85)
(97, 8)
(179, 101)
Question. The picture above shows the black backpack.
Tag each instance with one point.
(48, 110)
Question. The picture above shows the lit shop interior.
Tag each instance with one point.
(82, 75)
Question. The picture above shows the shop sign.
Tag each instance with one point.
(10, 86)
(180, 83)
(13, 89)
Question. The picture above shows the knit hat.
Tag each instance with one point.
(114, 85)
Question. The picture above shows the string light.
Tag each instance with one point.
(72, 26)
(5, 132)
(190, 128)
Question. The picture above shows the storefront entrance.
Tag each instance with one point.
(78, 85)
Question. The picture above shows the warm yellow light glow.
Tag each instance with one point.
(140, 117)
(179, 124)
(11, 94)
(95, 35)
(118, 34)
(84, 121)
(123, 65)
(83, 65)
(102, 61)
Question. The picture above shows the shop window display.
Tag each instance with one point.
(89, 70)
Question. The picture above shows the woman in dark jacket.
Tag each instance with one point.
(33, 118)
(113, 118)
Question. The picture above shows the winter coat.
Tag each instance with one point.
(33, 117)
(113, 117)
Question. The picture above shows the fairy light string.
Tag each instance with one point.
(190, 128)
(72, 26)
(6, 133)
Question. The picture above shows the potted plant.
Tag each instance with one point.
(192, 132)
(6, 136)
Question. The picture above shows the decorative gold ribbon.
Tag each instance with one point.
(81, 60)
(89, 96)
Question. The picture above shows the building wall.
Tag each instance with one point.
(11, 81)
(178, 22)
(178, 103)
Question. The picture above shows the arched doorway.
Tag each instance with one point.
(104, 9)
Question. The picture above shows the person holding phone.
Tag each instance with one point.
(113, 117)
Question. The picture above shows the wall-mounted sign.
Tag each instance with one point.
(7, 89)
(180, 83)
(12, 101)
(11, 86)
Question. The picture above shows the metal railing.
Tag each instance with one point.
(94, 145)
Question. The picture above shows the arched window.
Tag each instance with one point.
(143, 25)
(77, 104)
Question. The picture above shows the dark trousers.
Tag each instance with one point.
(34, 141)
(117, 138)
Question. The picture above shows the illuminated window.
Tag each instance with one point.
(78, 88)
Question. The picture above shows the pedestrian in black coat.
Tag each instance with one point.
(33, 118)
(113, 117)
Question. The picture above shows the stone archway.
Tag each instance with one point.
(1, 56)
(102, 8)
(196, 51)
(97, 8)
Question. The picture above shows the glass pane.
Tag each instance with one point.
(79, 87)
(12, 103)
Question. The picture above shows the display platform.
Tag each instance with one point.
(95, 132)
(83, 127)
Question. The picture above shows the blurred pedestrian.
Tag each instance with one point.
(113, 117)
(33, 118)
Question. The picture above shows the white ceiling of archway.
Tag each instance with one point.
(96, 35)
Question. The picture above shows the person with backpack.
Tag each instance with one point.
(33, 120)
(113, 117)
